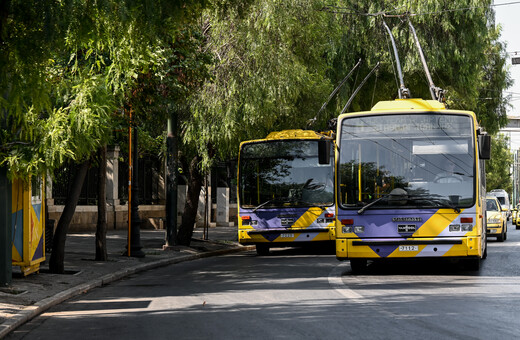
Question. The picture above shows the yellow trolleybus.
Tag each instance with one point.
(286, 190)
(410, 183)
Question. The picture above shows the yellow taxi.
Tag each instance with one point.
(514, 214)
(496, 221)
(516, 221)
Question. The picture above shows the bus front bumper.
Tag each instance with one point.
(406, 248)
(285, 235)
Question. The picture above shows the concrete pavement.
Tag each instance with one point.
(30, 296)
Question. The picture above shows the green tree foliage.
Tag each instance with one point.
(182, 68)
(498, 175)
(277, 61)
(270, 71)
(67, 66)
(69, 69)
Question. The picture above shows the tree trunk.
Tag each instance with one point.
(192, 201)
(58, 245)
(101, 228)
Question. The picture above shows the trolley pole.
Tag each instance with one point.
(6, 268)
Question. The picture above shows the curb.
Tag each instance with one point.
(30, 312)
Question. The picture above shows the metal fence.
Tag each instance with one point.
(63, 180)
(224, 174)
(150, 173)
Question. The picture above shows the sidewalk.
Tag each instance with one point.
(29, 296)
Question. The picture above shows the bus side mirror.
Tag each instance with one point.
(324, 151)
(484, 146)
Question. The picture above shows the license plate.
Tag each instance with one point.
(408, 248)
(286, 235)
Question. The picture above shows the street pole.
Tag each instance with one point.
(516, 178)
(130, 172)
(6, 248)
(135, 233)
(171, 180)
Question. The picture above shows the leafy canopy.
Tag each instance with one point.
(277, 62)
(66, 68)
(498, 174)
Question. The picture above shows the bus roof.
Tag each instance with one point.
(294, 134)
(409, 104)
(291, 134)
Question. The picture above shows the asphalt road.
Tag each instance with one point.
(299, 294)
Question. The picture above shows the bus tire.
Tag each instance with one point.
(262, 249)
(473, 264)
(484, 254)
(358, 265)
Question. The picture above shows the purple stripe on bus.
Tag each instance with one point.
(271, 237)
(271, 218)
(380, 223)
(384, 251)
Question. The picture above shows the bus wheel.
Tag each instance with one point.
(484, 252)
(473, 264)
(262, 249)
(358, 265)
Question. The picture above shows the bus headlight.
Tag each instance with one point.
(454, 227)
(467, 227)
(359, 229)
(346, 229)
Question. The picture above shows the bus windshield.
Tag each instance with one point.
(284, 173)
(407, 161)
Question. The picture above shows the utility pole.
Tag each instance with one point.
(135, 245)
(134, 221)
(171, 180)
(516, 162)
(6, 248)
(516, 178)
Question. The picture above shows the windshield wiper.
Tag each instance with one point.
(288, 200)
(436, 200)
(277, 199)
(397, 194)
(440, 202)
(362, 210)
(310, 204)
